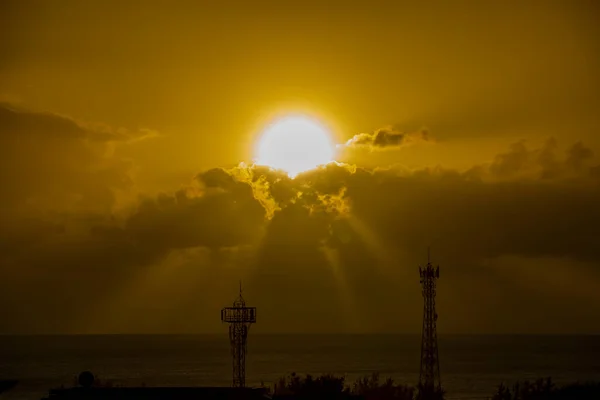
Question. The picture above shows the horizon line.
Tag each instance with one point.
(300, 334)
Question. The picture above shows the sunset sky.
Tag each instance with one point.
(132, 199)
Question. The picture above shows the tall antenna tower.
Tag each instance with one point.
(429, 378)
(239, 317)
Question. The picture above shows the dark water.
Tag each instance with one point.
(471, 366)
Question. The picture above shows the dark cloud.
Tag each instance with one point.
(531, 202)
(541, 163)
(579, 155)
(27, 124)
(104, 260)
(18, 123)
(228, 216)
(387, 138)
(340, 241)
(528, 203)
(51, 161)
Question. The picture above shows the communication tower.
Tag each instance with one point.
(239, 317)
(429, 378)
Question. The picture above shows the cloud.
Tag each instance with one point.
(222, 213)
(542, 163)
(108, 261)
(528, 203)
(19, 122)
(484, 203)
(387, 138)
(48, 161)
(339, 240)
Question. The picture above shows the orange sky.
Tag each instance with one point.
(116, 121)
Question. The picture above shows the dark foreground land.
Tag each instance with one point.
(6, 385)
(295, 387)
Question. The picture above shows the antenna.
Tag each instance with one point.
(239, 317)
(429, 378)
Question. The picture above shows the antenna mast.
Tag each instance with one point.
(239, 317)
(429, 378)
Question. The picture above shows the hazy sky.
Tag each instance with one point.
(123, 208)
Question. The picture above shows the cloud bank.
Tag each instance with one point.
(336, 248)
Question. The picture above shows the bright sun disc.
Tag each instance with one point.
(295, 144)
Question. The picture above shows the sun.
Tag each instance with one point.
(295, 144)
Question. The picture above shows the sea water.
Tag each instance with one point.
(471, 366)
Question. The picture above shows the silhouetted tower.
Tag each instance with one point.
(239, 317)
(429, 378)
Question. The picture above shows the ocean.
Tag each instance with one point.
(471, 366)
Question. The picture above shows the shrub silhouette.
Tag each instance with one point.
(371, 389)
(330, 386)
(323, 386)
(545, 389)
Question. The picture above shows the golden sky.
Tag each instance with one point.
(125, 209)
